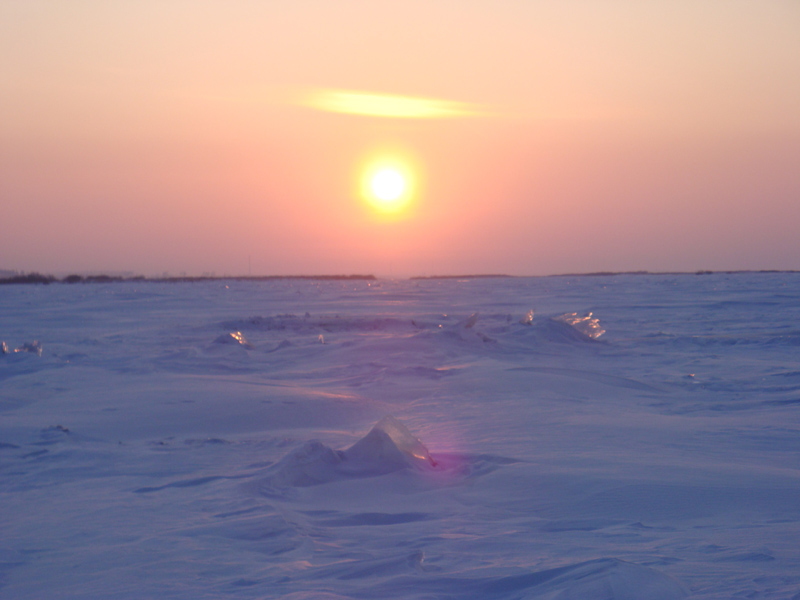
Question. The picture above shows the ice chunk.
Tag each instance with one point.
(33, 347)
(587, 324)
(234, 337)
(403, 438)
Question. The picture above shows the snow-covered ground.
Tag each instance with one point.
(215, 440)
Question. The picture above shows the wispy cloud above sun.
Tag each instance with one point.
(387, 105)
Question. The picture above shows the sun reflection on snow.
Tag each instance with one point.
(446, 458)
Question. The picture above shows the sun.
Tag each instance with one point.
(388, 186)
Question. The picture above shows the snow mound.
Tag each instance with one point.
(388, 447)
(311, 464)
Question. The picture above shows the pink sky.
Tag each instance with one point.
(172, 136)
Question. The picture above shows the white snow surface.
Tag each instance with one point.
(599, 437)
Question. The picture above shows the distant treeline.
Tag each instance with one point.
(609, 274)
(47, 279)
(703, 272)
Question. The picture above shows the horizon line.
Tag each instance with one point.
(34, 277)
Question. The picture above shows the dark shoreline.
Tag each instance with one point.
(38, 278)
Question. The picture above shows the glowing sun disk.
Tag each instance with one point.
(388, 185)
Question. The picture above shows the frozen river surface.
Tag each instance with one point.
(402, 439)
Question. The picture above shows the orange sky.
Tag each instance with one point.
(178, 136)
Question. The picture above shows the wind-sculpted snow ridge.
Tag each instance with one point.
(465, 331)
(599, 579)
(321, 323)
(483, 332)
(496, 330)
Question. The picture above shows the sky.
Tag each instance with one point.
(533, 137)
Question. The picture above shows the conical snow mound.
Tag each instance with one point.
(388, 447)
(389, 443)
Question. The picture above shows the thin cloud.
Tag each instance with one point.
(387, 105)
